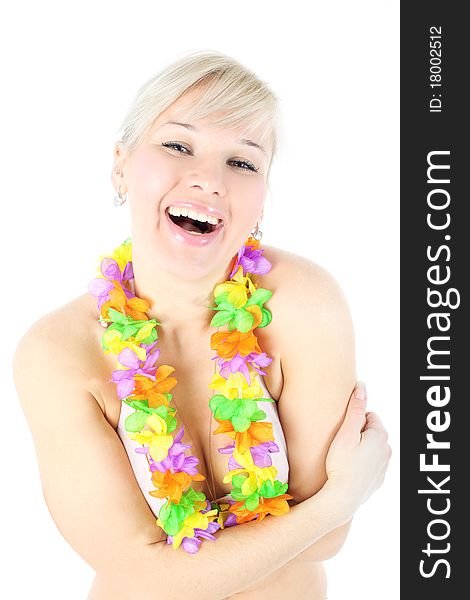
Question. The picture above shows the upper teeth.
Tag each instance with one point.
(192, 214)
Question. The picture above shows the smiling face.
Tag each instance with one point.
(201, 167)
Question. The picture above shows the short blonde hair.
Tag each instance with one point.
(227, 87)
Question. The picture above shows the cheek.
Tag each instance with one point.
(252, 195)
(152, 178)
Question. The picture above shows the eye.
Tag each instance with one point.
(244, 165)
(247, 166)
(175, 146)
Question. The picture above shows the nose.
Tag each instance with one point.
(208, 177)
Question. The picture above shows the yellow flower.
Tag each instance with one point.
(157, 438)
(236, 386)
(145, 331)
(236, 288)
(112, 338)
(256, 475)
(223, 514)
(197, 519)
(123, 254)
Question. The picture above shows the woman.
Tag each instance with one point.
(130, 470)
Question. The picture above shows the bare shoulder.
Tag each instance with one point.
(64, 339)
(87, 479)
(303, 288)
(317, 356)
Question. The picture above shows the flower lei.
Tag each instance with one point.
(187, 516)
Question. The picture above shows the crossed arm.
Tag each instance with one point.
(318, 365)
(114, 531)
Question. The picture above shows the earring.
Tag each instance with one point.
(257, 234)
(120, 198)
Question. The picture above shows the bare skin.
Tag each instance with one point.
(91, 489)
(310, 340)
(194, 369)
(303, 576)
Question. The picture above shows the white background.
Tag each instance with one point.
(69, 72)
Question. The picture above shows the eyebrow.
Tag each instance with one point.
(192, 128)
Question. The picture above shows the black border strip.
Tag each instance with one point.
(434, 253)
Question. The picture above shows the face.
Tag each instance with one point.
(206, 169)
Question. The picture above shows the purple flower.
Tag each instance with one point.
(240, 363)
(231, 520)
(176, 460)
(124, 378)
(227, 450)
(212, 527)
(191, 544)
(100, 288)
(232, 464)
(252, 261)
(260, 453)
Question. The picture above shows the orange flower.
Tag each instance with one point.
(133, 307)
(251, 241)
(154, 391)
(172, 485)
(228, 343)
(255, 310)
(268, 506)
(257, 433)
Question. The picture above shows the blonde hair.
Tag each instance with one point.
(226, 86)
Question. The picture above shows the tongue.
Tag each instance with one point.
(189, 225)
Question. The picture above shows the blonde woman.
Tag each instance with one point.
(128, 456)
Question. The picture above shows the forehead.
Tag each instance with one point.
(182, 109)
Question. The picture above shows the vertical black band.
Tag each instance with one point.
(435, 356)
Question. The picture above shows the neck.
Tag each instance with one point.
(177, 302)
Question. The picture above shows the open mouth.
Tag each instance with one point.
(193, 225)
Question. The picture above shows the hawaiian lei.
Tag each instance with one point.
(187, 516)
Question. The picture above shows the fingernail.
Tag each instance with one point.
(360, 390)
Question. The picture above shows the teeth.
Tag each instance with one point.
(192, 214)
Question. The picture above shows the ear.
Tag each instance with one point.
(117, 173)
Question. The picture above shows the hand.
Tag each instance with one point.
(358, 456)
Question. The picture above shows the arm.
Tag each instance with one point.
(244, 555)
(97, 505)
(327, 546)
(318, 365)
